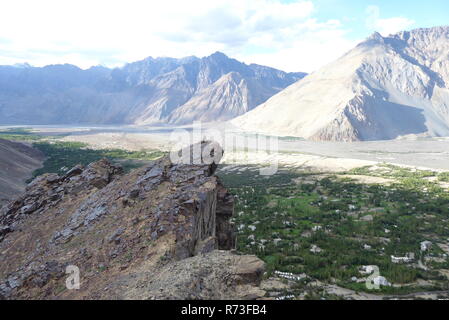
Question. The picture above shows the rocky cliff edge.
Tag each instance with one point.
(159, 232)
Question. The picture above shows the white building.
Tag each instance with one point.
(368, 269)
(381, 281)
(290, 276)
(426, 245)
(407, 259)
(315, 249)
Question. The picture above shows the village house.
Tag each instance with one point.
(290, 276)
(368, 269)
(381, 281)
(407, 259)
(315, 249)
(358, 280)
(287, 297)
(426, 246)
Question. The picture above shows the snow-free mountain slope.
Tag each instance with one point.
(17, 162)
(384, 88)
(144, 92)
(229, 97)
(224, 99)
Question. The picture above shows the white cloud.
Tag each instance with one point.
(305, 48)
(386, 26)
(111, 32)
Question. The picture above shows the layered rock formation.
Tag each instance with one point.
(160, 232)
(385, 88)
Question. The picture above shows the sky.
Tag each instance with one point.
(292, 35)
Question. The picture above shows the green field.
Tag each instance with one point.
(279, 218)
(20, 134)
(62, 156)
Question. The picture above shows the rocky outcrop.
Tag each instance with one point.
(163, 226)
(47, 191)
(215, 275)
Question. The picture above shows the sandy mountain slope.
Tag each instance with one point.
(223, 100)
(385, 88)
(17, 162)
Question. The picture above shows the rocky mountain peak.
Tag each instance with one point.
(385, 88)
(233, 76)
(22, 65)
(218, 55)
(432, 33)
(376, 36)
(148, 91)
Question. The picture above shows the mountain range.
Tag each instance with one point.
(161, 90)
(385, 88)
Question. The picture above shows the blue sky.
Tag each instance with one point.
(293, 35)
(353, 12)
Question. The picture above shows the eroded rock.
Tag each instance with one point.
(161, 225)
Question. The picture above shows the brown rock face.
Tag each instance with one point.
(162, 226)
(214, 275)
